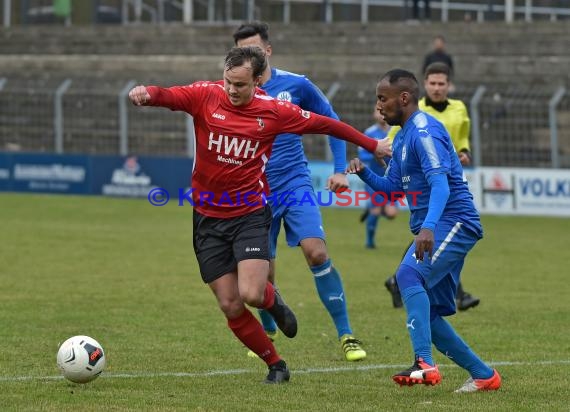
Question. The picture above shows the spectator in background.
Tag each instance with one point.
(373, 211)
(62, 9)
(438, 55)
(453, 114)
(416, 10)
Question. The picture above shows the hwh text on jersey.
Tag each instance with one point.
(233, 146)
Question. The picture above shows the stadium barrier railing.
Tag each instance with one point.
(511, 126)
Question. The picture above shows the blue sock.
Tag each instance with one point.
(448, 342)
(269, 324)
(331, 292)
(371, 223)
(417, 306)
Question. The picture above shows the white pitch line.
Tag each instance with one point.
(296, 372)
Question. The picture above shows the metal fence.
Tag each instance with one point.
(215, 11)
(516, 126)
(512, 126)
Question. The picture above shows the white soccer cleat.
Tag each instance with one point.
(477, 385)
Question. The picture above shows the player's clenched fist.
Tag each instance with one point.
(383, 149)
(139, 96)
(355, 166)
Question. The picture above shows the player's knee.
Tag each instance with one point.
(390, 212)
(316, 256)
(231, 307)
(407, 277)
(252, 296)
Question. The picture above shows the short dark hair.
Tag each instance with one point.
(405, 81)
(438, 68)
(251, 29)
(237, 56)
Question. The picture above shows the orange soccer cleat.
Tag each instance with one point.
(419, 374)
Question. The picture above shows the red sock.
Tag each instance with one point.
(268, 296)
(248, 330)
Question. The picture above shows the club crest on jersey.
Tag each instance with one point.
(261, 124)
(284, 95)
(305, 114)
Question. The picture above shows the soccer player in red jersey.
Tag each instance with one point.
(236, 125)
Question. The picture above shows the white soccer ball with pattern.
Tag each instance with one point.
(81, 359)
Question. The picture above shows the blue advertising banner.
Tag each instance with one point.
(99, 175)
(44, 173)
(134, 176)
(5, 171)
(511, 191)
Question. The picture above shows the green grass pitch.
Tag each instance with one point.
(124, 272)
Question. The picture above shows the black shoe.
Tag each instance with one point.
(283, 316)
(467, 301)
(364, 215)
(392, 287)
(420, 373)
(278, 373)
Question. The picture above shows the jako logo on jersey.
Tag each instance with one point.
(233, 146)
(285, 96)
(253, 249)
(219, 116)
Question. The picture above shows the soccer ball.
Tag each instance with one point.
(81, 359)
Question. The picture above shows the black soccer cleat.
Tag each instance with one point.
(392, 287)
(283, 316)
(467, 301)
(420, 373)
(278, 373)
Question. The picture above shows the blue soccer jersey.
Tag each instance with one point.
(423, 148)
(287, 167)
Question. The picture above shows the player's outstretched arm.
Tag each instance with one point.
(139, 96)
(383, 149)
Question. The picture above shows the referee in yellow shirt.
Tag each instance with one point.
(453, 114)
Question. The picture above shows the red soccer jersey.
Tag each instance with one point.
(233, 143)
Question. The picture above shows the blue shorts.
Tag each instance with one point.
(299, 211)
(441, 274)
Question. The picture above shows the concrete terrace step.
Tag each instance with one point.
(345, 38)
(166, 70)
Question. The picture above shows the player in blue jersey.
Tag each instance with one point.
(287, 171)
(446, 226)
(380, 206)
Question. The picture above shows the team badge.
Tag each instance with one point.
(261, 124)
(285, 96)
